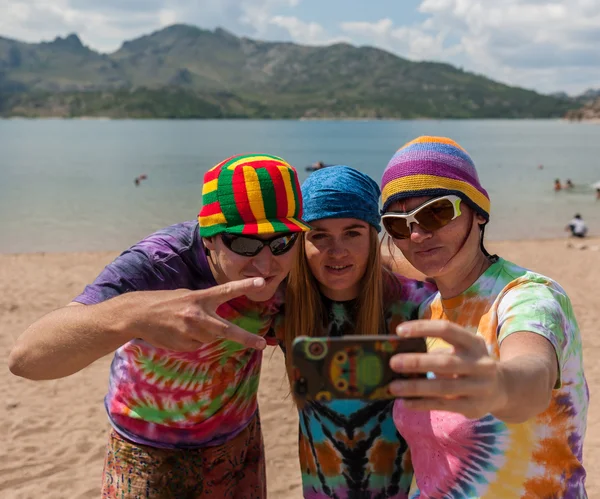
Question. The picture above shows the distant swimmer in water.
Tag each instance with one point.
(319, 165)
(569, 184)
(139, 179)
(540, 167)
(557, 186)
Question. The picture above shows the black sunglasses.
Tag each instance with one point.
(252, 245)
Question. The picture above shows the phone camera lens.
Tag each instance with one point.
(301, 386)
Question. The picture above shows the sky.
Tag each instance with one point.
(544, 45)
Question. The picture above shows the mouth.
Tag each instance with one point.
(338, 269)
(428, 252)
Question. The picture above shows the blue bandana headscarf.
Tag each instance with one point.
(341, 192)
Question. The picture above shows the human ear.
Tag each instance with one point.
(209, 243)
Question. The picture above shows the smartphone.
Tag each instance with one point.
(348, 367)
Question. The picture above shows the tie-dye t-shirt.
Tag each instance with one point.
(173, 399)
(486, 458)
(351, 449)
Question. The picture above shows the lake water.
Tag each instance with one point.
(67, 185)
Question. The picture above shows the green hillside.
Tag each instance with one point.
(187, 72)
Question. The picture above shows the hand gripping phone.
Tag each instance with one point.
(348, 367)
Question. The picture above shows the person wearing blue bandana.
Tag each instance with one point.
(339, 286)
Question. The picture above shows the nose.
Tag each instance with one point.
(263, 262)
(418, 234)
(337, 249)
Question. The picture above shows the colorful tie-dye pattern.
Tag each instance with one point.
(461, 458)
(180, 399)
(351, 449)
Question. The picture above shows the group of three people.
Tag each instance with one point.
(501, 413)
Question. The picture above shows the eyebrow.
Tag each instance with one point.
(348, 227)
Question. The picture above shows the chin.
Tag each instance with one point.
(339, 283)
(341, 286)
(264, 294)
(433, 271)
(429, 266)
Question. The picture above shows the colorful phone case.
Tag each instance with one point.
(348, 367)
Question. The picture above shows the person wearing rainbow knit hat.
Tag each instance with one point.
(503, 411)
(186, 310)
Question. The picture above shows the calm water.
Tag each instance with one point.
(68, 185)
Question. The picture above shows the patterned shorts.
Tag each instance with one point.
(235, 469)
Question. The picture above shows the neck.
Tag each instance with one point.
(455, 283)
(339, 295)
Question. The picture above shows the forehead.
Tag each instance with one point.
(337, 224)
(408, 204)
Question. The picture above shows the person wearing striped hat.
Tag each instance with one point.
(248, 205)
(186, 310)
(502, 412)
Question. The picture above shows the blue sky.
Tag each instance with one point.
(327, 12)
(549, 46)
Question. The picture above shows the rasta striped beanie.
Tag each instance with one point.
(251, 194)
(433, 166)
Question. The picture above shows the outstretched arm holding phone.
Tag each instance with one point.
(514, 388)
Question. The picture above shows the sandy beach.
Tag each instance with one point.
(53, 433)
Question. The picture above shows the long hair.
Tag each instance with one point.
(305, 313)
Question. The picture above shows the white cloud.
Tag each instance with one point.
(259, 13)
(543, 44)
(377, 29)
(35, 20)
(548, 45)
(105, 25)
(167, 17)
(307, 33)
(416, 43)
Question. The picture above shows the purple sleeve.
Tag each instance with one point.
(172, 258)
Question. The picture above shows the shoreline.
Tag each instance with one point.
(372, 119)
(589, 241)
(587, 121)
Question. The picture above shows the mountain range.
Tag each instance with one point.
(184, 71)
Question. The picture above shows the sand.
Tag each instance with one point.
(53, 433)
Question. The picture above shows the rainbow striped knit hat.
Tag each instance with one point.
(251, 194)
(433, 166)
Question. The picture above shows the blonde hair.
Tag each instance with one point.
(305, 313)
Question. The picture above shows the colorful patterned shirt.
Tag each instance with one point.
(173, 399)
(486, 458)
(351, 449)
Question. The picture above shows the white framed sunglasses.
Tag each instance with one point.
(431, 215)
